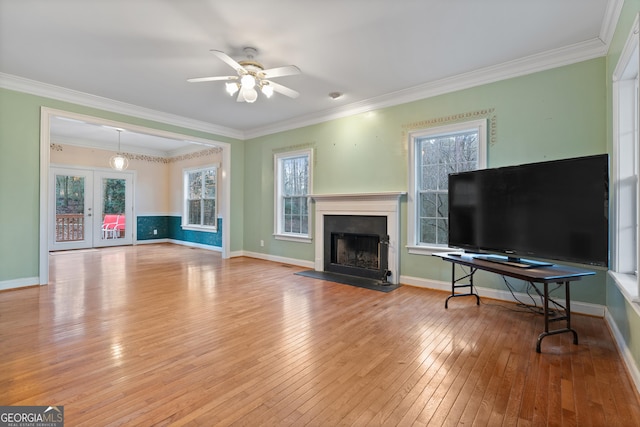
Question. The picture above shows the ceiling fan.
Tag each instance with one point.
(252, 76)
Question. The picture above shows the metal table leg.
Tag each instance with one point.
(455, 286)
(566, 317)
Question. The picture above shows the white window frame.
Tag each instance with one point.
(413, 245)
(279, 233)
(185, 205)
(625, 233)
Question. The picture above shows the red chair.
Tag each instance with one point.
(120, 226)
(109, 223)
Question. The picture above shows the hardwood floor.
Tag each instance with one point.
(169, 335)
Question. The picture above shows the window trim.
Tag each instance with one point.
(412, 206)
(278, 234)
(185, 178)
(625, 91)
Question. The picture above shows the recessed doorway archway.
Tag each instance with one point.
(49, 114)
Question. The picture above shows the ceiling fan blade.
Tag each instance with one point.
(287, 70)
(227, 59)
(284, 90)
(211, 79)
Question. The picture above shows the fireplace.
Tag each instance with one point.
(356, 245)
(358, 234)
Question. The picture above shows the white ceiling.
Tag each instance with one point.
(138, 54)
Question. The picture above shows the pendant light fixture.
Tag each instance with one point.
(119, 162)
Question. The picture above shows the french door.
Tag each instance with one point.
(90, 208)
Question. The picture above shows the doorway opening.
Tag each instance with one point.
(48, 115)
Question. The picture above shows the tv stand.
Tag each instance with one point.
(545, 275)
(513, 261)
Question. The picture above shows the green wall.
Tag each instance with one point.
(19, 185)
(548, 115)
(20, 177)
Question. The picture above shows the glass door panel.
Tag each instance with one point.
(72, 218)
(113, 201)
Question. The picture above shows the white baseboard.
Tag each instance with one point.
(19, 283)
(282, 260)
(627, 357)
(194, 245)
(181, 243)
(150, 241)
(503, 295)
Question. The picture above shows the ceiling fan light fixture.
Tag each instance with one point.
(248, 81)
(251, 77)
(232, 88)
(249, 94)
(267, 90)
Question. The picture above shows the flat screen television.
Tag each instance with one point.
(552, 210)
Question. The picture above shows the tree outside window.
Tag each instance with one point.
(69, 194)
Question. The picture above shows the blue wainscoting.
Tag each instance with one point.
(146, 225)
(169, 227)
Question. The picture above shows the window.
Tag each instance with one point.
(200, 194)
(434, 154)
(624, 250)
(293, 183)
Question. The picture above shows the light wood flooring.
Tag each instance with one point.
(167, 335)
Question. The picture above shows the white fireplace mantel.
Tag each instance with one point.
(375, 204)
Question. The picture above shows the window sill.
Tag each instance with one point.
(628, 285)
(428, 250)
(197, 228)
(292, 238)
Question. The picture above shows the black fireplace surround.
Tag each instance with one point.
(357, 245)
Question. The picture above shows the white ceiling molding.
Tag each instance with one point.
(532, 64)
(19, 84)
(611, 15)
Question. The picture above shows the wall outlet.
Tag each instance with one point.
(261, 243)
(155, 231)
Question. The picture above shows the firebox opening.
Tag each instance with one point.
(356, 250)
(356, 245)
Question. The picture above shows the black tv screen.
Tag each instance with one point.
(555, 210)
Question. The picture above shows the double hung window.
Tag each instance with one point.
(626, 157)
(434, 154)
(293, 184)
(200, 190)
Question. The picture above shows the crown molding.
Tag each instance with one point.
(20, 84)
(578, 52)
(572, 54)
(610, 20)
